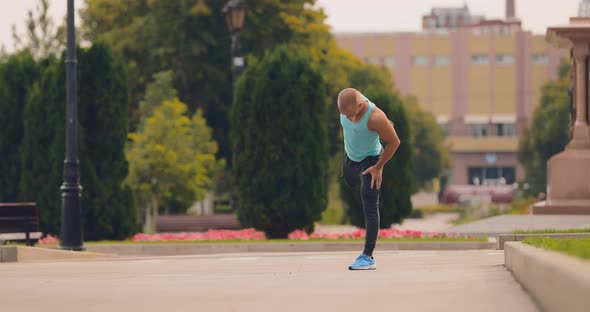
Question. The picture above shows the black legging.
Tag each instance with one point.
(351, 171)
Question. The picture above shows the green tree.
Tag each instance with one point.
(428, 138)
(18, 74)
(172, 157)
(109, 210)
(42, 148)
(188, 38)
(398, 178)
(156, 92)
(160, 35)
(548, 134)
(280, 143)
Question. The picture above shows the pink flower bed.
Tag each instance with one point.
(246, 234)
(49, 240)
(252, 234)
(360, 233)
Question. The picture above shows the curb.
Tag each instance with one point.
(35, 254)
(154, 249)
(503, 238)
(556, 282)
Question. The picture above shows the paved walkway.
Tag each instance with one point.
(404, 281)
(505, 224)
(435, 222)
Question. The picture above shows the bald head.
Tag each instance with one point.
(347, 99)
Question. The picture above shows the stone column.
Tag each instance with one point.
(580, 131)
(568, 173)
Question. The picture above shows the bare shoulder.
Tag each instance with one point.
(377, 118)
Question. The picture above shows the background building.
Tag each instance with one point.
(481, 79)
(584, 8)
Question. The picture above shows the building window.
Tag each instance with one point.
(420, 61)
(479, 59)
(504, 59)
(389, 62)
(504, 30)
(505, 129)
(540, 59)
(375, 60)
(441, 60)
(479, 130)
(491, 175)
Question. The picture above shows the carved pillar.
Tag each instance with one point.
(580, 131)
(568, 173)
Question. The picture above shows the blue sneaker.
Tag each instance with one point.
(363, 262)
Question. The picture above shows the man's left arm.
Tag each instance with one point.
(387, 133)
(380, 123)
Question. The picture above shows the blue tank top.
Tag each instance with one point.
(359, 141)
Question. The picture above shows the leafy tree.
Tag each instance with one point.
(156, 92)
(109, 211)
(108, 208)
(548, 134)
(18, 74)
(280, 142)
(191, 39)
(172, 157)
(42, 147)
(188, 38)
(431, 156)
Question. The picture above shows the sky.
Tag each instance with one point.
(354, 15)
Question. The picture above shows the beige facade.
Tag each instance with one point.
(482, 83)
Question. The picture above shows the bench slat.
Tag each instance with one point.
(20, 236)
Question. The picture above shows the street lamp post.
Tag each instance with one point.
(71, 190)
(235, 13)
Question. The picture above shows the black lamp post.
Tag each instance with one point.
(70, 237)
(235, 13)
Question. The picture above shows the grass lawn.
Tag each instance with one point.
(271, 241)
(579, 247)
(552, 231)
(440, 208)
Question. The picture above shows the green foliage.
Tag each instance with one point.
(42, 148)
(188, 38)
(398, 178)
(171, 158)
(548, 134)
(18, 74)
(108, 208)
(280, 143)
(156, 92)
(431, 156)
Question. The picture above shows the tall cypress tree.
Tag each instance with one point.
(109, 211)
(107, 203)
(17, 74)
(280, 143)
(42, 150)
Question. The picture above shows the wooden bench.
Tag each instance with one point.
(188, 223)
(19, 222)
